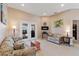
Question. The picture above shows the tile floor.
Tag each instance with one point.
(51, 49)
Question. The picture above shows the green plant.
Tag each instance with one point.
(58, 23)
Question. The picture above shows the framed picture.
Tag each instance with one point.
(0, 13)
(3, 14)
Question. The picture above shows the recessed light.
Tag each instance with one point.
(62, 5)
(22, 4)
(44, 13)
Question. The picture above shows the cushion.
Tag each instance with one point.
(10, 42)
(24, 52)
(18, 46)
(18, 52)
(6, 46)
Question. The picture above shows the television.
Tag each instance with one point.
(44, 28)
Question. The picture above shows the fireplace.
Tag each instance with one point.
(45, 29)
(44, 35)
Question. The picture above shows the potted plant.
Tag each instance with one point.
(58, 23)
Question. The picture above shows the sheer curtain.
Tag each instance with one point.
(2, 32)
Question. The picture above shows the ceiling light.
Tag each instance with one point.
(62, 5)
(44, 13)
(22, 4)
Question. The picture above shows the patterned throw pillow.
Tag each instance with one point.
(18, 46)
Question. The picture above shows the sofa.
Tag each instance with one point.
(54, 38)
(7, 49)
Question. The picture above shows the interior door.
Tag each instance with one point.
(75, 31)
(33, 31)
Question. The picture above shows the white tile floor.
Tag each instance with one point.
(51, 49)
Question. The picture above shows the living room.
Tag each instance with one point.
(35, 25)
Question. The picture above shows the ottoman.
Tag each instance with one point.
(36, 44)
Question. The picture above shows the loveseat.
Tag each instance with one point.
(54, 38)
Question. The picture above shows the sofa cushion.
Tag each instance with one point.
(10, 42)
(18, 46)
(24, 52)
(6, 46)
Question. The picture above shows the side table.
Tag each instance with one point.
(66, 40)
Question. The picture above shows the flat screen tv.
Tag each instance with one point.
(44, 28)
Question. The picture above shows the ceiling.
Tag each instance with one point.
(43, 9)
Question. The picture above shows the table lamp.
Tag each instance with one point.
(67, 31)
(14, 29)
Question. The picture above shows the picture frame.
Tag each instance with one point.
(0, 13)
(3, 14)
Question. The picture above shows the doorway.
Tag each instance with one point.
(75, 29)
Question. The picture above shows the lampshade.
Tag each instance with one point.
(68, 29)
(14, 27)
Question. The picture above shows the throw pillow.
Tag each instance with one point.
(18, 46)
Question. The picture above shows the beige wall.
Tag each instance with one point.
(67, 17)
(16, 16)
(47, 20)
